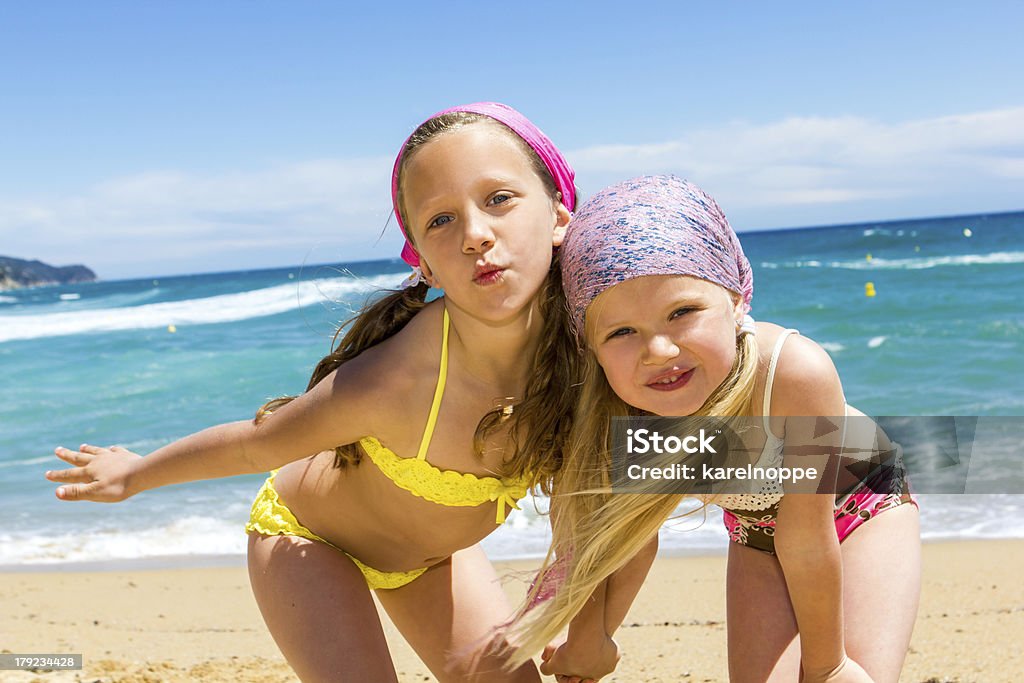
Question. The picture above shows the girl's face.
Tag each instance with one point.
(665, 342)
(482, 220)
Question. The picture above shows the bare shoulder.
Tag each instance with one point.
(398, 366)
(806, 381)
(357, 399)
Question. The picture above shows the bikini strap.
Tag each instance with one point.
(442, 375)
(770, 380)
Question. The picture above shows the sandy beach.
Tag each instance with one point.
(176, 625)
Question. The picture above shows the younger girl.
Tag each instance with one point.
(819, 587)
(405, 450)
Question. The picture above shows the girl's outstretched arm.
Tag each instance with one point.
(807, 386)
(338, 410)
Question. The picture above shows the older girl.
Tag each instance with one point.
(404, 451)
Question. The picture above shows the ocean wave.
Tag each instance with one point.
(801, 264)
(205, 311)
(869, 232)
(525, 536)
(875, 342)
(832, 347)
(877, 263)
(8, 300)
(199, 535)
(1002, 329)
(73, 296)
(38, 460)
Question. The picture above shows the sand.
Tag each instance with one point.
(177, 625)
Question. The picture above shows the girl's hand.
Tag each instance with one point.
(848, 671)
(99, 474)
(575, 662)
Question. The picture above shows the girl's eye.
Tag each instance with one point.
(621, 332)
(500, 198)
(440, 220)
(680, 312)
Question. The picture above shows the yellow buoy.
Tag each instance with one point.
(967, 232)
(869, 289)
(868, 257)
(172, 329)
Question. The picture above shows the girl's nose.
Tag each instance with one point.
(660, 349)
(477, 236)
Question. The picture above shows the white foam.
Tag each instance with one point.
(971, 516)
(187, 536)
(32, 461)
(70, 297)
(832, 347)
(210, 310)
(875, 342)
(996, 258)
(8, 300)
(877, 263)
(526, 535)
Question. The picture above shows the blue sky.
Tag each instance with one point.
(151, 138)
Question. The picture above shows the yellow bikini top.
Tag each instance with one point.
(444, 487)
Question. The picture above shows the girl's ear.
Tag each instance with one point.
(737, 306)
(562, 217)
(428, 274)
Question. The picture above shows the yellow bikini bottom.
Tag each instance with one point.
(270, 517)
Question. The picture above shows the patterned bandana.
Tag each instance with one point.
(556, 164)
(653, 225)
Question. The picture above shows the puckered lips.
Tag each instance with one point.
(487, 273)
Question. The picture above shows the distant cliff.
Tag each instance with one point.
(16, 273)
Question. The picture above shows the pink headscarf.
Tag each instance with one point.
(556, 164)
(653, 225)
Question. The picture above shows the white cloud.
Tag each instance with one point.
(814, 160)
(800, 170)
(160, 221)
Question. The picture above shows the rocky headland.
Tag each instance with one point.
(17, 273)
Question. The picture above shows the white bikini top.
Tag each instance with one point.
(770, 491)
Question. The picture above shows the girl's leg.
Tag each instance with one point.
(759, 620)
(447, 614)
(319, 610)
(881, 588)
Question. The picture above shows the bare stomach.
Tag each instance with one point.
(365, 514)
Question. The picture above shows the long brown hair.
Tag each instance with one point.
(541, 418)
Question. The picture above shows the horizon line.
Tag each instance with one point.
(396, 258)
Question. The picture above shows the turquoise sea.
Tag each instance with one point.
(943, 335)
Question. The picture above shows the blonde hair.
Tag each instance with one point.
(595, 532)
